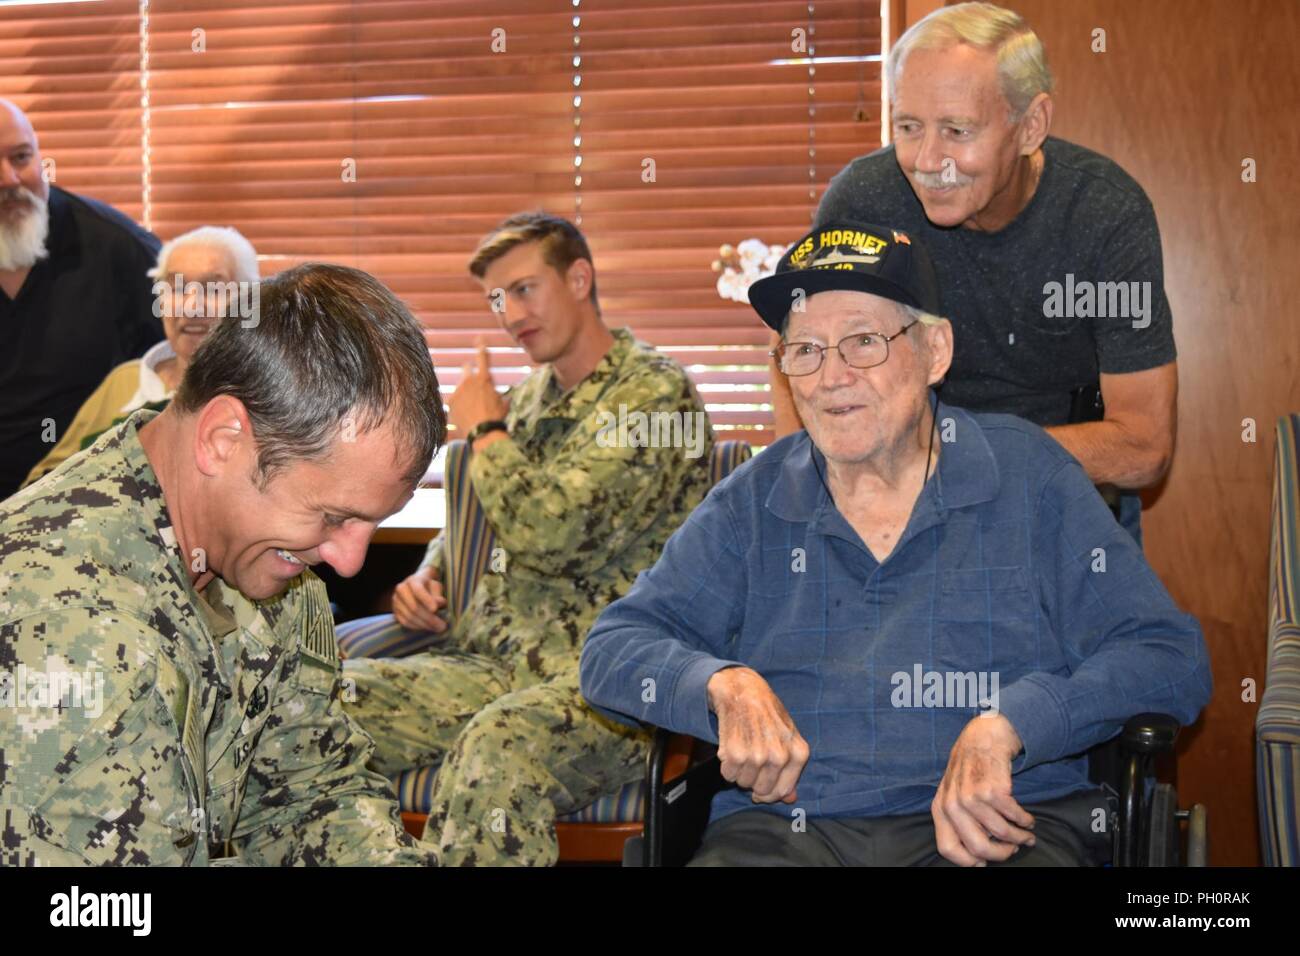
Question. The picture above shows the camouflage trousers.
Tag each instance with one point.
(511, 759)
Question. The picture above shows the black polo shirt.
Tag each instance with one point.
(84, 309)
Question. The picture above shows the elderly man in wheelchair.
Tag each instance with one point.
(905, 626)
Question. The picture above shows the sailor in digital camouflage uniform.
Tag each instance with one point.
(578, 508)
(171, 688)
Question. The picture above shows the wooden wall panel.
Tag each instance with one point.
(1185, 91)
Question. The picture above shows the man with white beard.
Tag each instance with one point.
(75, 299)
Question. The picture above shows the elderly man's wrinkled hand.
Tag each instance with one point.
(975, 817)
(758, 744)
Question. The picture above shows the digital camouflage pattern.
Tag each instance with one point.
(577, 515)
(511, 761)
(218, 730)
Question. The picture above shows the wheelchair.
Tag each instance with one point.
(1144, 819)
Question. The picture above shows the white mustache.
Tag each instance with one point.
(20, 194)
(937, 181)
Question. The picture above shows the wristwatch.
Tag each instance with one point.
(482, 428)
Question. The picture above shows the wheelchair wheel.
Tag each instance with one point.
(1163, 835)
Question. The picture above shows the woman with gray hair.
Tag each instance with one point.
(199, 277)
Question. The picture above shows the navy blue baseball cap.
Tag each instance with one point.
(853, 256)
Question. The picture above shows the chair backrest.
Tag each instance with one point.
(727, 457)
(1284, 549)
(470, 539)
(1277, 724)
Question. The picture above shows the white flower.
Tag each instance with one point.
(731, 285)
(757, 260)
(774, 255)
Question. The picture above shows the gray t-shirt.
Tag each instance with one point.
(1021, 346)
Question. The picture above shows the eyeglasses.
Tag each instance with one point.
(860, 350)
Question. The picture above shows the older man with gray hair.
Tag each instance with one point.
(201, 275)
(906, 624)
(1047, 254)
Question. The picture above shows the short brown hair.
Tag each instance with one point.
(330, 344)
(562, 244)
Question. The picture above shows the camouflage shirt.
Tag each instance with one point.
(142, 723)
(583, 496)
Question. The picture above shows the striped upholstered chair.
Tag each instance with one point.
(595, 833)
(1277, 726)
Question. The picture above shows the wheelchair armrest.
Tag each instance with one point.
(1144, 737)
(677, 810)
(1148, 734)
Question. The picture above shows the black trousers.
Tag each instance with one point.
(1063, 831)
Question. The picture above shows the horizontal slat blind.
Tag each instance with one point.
(74, 69)
(260, 112)
(712, 93)
(264, 129)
